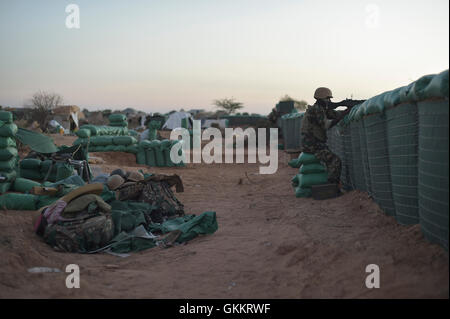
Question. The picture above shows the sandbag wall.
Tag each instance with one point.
(157, 153)
(399, 153)
(106, 143)
(37, 170)
(8, 151)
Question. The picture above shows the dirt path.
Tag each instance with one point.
(270, 244)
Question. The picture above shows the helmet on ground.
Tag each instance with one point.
(323, 93)
(115, 181)
(118, 172)
(135, 176)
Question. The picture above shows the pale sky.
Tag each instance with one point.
(166, 54)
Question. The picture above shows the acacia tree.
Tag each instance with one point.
(228, 105)
(43, 103)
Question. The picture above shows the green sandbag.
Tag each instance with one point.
(124, 140)
(7, 153)
(8, 130)
(63, 171)
(101, 140)
(167, 158)
(31, 174)
(152, 134)
(294, 181)
(13, 201)
(110, 148)
(308, 180)
(307, 158)
(140, 157)
(31, 163)
(132, 149)
(6, 117)
(117, 118)
(312, 169)
(302, 192)
(4, 187)
(159, 156)
(294, 163)
(7, 166)
(24, 185)
(83, 133)
(150, 157)
(7, 142)
(45, 200)
(10, 176)
(119, 124)
(82, 141)
(145, 144)
(45, 166)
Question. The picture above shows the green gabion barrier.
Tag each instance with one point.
(364, 158)
(359, 181)
(377, 151)
(433, 170)
(402, 134)
(347, 165)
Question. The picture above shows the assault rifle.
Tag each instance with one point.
(347, 102)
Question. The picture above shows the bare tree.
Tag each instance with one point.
(228, 105)
(43, 103)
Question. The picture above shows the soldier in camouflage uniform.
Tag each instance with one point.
(317, 120)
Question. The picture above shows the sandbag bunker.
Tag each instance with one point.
(76, 212)
(116, 138)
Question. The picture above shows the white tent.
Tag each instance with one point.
(174, 120)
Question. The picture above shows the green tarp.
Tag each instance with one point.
(190, 227)
(36, 141)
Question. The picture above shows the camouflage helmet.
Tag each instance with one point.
(114, 182)
(323, 93)
(135, 176)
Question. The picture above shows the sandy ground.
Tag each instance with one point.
(270, 244)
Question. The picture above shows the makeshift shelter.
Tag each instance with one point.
(68, 116)
(175, 119)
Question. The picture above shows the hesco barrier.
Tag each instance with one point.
(377, 151)
(402, 135)
(358, 178)
(395, 147)
(346, 159)
(364, 158)
(433, 169)
(291, 124)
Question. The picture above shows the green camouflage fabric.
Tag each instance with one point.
(314, 122)
(314, 139)
(81, 235)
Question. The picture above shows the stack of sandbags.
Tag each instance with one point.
(35, 169)
(99, 130)
(8, 151)
(118, 120)
(311, 173)
(106, 143)
(153, 127)
(157, 153)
